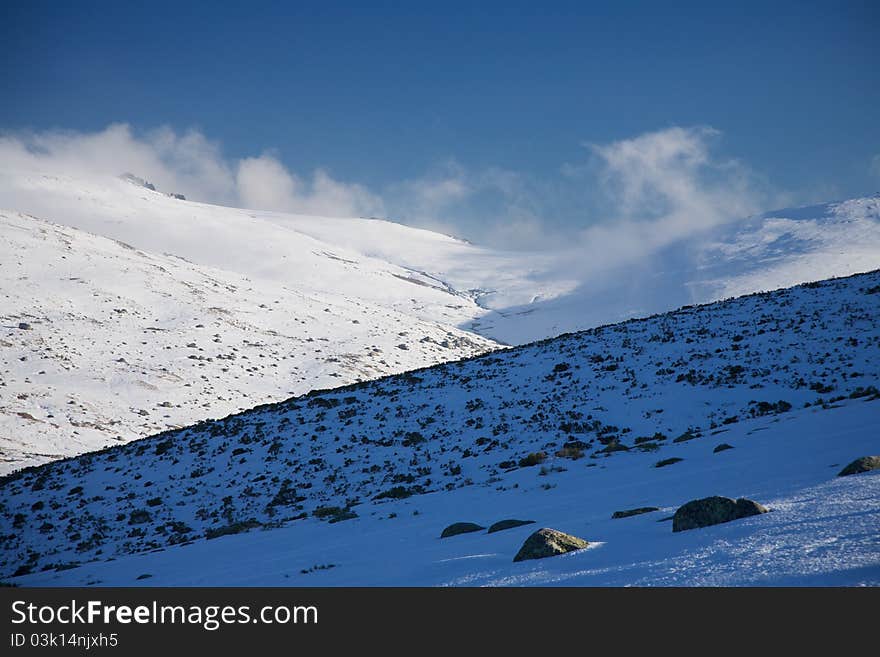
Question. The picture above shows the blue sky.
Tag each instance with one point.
(393, 92)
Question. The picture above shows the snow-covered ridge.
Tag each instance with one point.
(511, 297)
(621, 398)
(103, 343)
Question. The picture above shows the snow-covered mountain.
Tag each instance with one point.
(766, 396)
(103, 342)
(766, 252)
(144, 311)
(506, 296)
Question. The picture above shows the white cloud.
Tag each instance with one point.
(670, 175)
(264, 183)
(331, 197)
(491, 205)
(429, 196)
(664, 186)
(187, 163)
(175, 163)
(633, 195)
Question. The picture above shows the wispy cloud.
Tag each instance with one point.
(489, 205)
(663, 186)
(188, 163)
(626, 198)
(264, 183)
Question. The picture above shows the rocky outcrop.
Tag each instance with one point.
(713, 511)
(863, 464)
(549, 543)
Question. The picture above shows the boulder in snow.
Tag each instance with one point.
(633, 512)
(713, 511)
(501, 525)
(457, 528)
(863, 464)
(549, 543)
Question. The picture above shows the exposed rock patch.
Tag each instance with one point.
(501, 525)
(863, 464)
(549, 543)
(633, 512)
(713, 511)
(457, 528)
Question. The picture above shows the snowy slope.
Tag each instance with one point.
(375, 261)
(120, 343)
(512, 297)
(822, 530)
(788, 378)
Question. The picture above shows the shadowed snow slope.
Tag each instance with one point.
(788, 379)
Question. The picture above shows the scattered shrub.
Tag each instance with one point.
(232, 528)
(333, 513)
(139, 517)
(535, 458)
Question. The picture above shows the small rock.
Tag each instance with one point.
(501, 525)
(549, 543)
(713, 511)
(457, 528)
(633, 512)
(863, 464)
(721, 448)
(24, 326)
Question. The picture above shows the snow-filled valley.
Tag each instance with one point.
(355, 485)
(125, 311)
